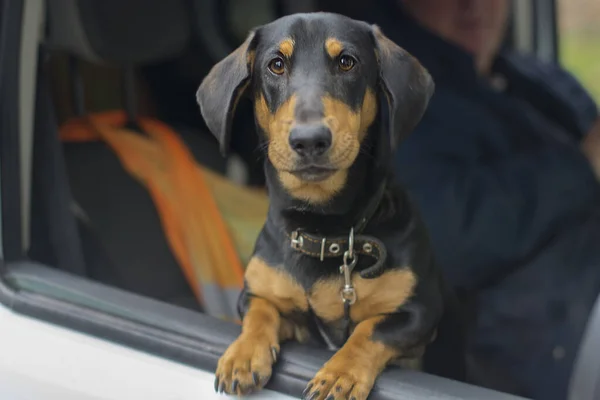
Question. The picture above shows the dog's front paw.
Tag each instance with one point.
(246, 365)
(342, 377)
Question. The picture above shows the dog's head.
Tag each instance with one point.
(315, 80)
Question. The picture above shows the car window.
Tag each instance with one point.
(579, 41)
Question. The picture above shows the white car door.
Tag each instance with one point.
(44, 361)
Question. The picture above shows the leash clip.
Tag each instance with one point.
(296, 241)
(348, 291)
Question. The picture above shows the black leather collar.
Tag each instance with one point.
(328, 247)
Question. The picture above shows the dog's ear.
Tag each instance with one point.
(406, 84)
(222, 88)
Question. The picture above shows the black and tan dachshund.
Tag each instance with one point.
(343, 257)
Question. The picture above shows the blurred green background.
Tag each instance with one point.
(579, 41)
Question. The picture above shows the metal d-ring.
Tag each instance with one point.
(334, 248)
(350, 244)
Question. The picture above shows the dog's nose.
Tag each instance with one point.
(310, 140)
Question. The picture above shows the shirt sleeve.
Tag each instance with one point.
(487, 217)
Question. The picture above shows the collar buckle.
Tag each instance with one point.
(296, 241)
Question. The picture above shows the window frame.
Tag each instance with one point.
(534, 28)
(10, 189)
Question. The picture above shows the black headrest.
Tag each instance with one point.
(222, 25)
(119, 31)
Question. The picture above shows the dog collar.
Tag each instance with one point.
(328, 247)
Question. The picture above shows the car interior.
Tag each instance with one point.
(84, 241)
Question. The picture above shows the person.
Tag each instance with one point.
(505, 168)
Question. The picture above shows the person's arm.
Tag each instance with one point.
(487, 217)
(554, 91)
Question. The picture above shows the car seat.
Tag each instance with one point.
(122, 239)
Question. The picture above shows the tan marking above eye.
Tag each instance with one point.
(333, 47)
(286, 47)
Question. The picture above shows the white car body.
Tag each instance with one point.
(41, 361)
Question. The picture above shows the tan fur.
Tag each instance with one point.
(255, 350)
(277, 127)
(381, 295)
(352, 370)
(348, 130)
(348, 127)
(276, 286)
(314, 192)
(333, 47)
(292, 331)
(286, 47)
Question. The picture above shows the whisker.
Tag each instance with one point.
(367, 151)
(262, 148)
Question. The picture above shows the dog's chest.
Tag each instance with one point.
(325, 299)
(381, 295)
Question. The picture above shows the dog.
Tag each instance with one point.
(343, 258)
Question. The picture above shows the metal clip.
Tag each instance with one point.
(348, 291)
(296, 241)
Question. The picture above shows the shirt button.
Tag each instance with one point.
(558, 353)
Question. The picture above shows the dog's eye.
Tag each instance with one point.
(277, 66)
(346, 63)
